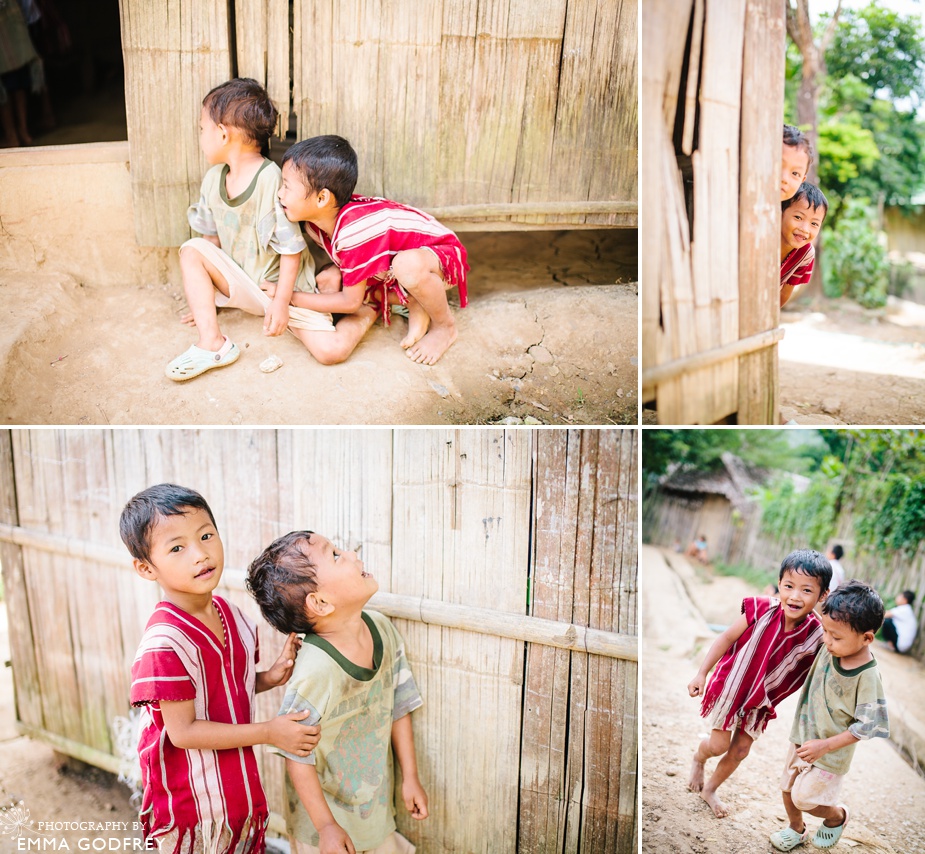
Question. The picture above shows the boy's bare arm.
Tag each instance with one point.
(188, 732)
(715, 653)
(412, 791)
(276, 318)
(282, 668)
(344, 301)
(333, 839)
(811, 751)
(786, 291)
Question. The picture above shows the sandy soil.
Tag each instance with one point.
(886, 797)
(550, 334)
(844, 364)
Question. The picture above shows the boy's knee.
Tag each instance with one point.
(190, 256)
(740, 749)
(410, 267)
(328, 354)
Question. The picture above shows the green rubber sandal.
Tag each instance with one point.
(196, 361)
(826, 837)
(788, 838)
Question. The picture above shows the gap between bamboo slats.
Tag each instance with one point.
(428, 611)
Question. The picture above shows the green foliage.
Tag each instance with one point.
(757, 578)
(856, 264)
(805, 518)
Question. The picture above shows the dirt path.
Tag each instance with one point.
(550, 334)
(848, 365)
(887, 798)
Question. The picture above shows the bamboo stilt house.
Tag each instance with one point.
(492, 115)
(713, 86)
(508, 560)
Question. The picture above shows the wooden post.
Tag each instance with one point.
(759, 206)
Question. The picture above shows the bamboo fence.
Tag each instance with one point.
(714, 78)
(493, 115)
(507, 559)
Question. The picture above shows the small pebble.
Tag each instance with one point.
(271, 364)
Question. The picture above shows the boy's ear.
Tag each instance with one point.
(867, 638)
(317, 606)
(144, 569)
(325, 198)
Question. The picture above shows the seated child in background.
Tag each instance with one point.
(698, 549)
(900, 625)
(795, 162)
(194, 675)
(352, 677)
(250, 257)
(385, 250)
(841, 703)
(801, 219)
(763, 657)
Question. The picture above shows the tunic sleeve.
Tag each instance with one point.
(159, 674)
(199, 215)
(754, 607)
(296, 701)
(280, 235)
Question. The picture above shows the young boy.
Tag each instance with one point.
(194, 675)
(801, 219)
(795, 162)
(841, 703)
(385, 251)
(250, 256)
(900, 625)
(353, 678)
(763, 657)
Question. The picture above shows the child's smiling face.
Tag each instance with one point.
(799, 225)
(798, 594)
(185, 555)
(794, 166)
(299, 203)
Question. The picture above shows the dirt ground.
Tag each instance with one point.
(550, 335)
(843, 364)
(885, 795)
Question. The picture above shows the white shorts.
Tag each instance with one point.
(393, 844)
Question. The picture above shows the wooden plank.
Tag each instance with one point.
(460, 510)
(26, 682)
(184, 46)
(759, 218)
(278, 46)
(250, 27)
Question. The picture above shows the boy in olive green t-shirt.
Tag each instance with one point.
(841, 703)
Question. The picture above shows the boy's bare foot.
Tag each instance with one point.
(720, 810)
(433, 345)
(188, 319)
(695, 784)
(418, 323)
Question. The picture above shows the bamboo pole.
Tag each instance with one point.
(531, 208)
(429, 611)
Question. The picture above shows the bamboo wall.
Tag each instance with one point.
(491, 114)
(713, 84)
(507, 558)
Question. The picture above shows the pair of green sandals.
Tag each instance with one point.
(826, 837)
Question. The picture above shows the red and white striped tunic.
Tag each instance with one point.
(797, 268)
(369, 232)
(765, 665)
(209, 798)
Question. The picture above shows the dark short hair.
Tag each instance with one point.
(856, 604)
(244, 104)
(808, 562)
(794, 137)
(325, 163)
(838, 551)
(909, 596)
(149, 506)
(809, 193)
(280, 578)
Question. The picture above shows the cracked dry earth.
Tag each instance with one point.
(549, 336)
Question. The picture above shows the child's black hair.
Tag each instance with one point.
(145, 509)
(244, 104)
(794, 137)
(325, 163)
(838, 552)
(909, 596)
(814, 197)
(280, 578)
(856, 604)
(808, 562)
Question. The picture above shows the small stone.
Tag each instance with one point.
(270, 364)
(671, 773)
(553, 371)
(529, 419)
(443, 391)
(496, 373)
(619, 392)
(510, 421)
(541, 354)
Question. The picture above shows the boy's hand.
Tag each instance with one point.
(695, 686)
(415, 798)
(286, 733)
(812, 751)
(276, 319)
(333, 839)
(282, 668)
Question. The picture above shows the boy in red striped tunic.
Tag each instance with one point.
(800, 220)
(763, 657)
(386, 252)
(194, 675)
